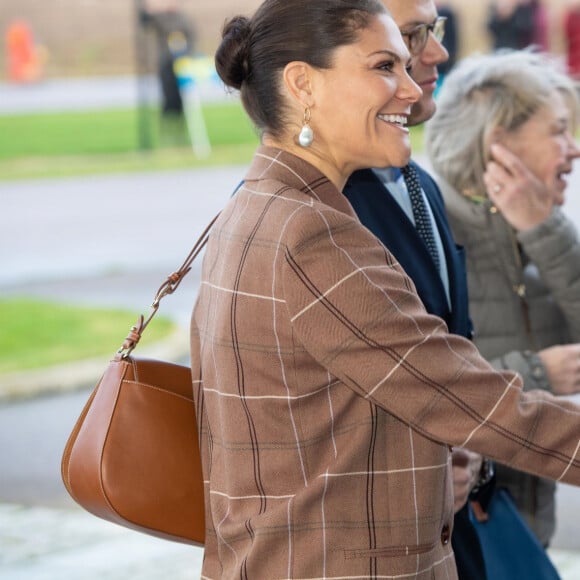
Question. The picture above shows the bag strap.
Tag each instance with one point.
(168, 287)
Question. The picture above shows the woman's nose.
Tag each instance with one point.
(410, 90)
(573, 147)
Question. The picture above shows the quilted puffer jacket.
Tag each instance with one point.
(524, 296)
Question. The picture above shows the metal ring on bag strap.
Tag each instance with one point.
(168, 287)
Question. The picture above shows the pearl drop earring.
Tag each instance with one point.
(306, 134)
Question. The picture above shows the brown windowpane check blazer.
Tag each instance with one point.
(328, 398)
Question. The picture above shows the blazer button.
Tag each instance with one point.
(445, 534)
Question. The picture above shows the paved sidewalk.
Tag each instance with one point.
(51, 544)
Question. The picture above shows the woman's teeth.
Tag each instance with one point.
(395, 119)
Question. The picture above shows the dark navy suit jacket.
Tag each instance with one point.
(380, 212)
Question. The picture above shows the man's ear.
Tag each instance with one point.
(297, 77)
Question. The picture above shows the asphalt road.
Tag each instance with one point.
(87, 226)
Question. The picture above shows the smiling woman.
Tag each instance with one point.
(327, 398)
(375, 119)
(502, 143)
(280, 94)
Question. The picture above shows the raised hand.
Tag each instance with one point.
(562, 363)
(466, 468)
(523, 199)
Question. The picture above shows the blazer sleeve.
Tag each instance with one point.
(458, 320)
(357, 313)
(553, 246)
(528, 365)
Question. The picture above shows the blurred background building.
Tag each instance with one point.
(96, 37)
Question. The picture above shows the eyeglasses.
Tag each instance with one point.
(416, 39)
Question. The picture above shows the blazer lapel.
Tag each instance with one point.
(459, 321)
(380, 212)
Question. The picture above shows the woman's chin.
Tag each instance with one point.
(396, 161)
(559, 195)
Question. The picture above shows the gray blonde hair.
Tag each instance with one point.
(484, 93)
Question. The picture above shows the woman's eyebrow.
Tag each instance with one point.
(396, 56)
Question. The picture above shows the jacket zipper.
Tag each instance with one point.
(521, 291)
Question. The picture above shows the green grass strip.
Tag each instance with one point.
(114, 131)
(36, 333)
(157, 160)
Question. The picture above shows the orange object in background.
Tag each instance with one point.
(24, 58)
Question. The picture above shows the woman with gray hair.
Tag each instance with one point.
(502, 145)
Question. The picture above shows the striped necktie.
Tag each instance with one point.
(420, 213)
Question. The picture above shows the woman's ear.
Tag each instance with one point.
(297, 77)
(495, 135)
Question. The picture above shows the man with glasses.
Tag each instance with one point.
(404, 208)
